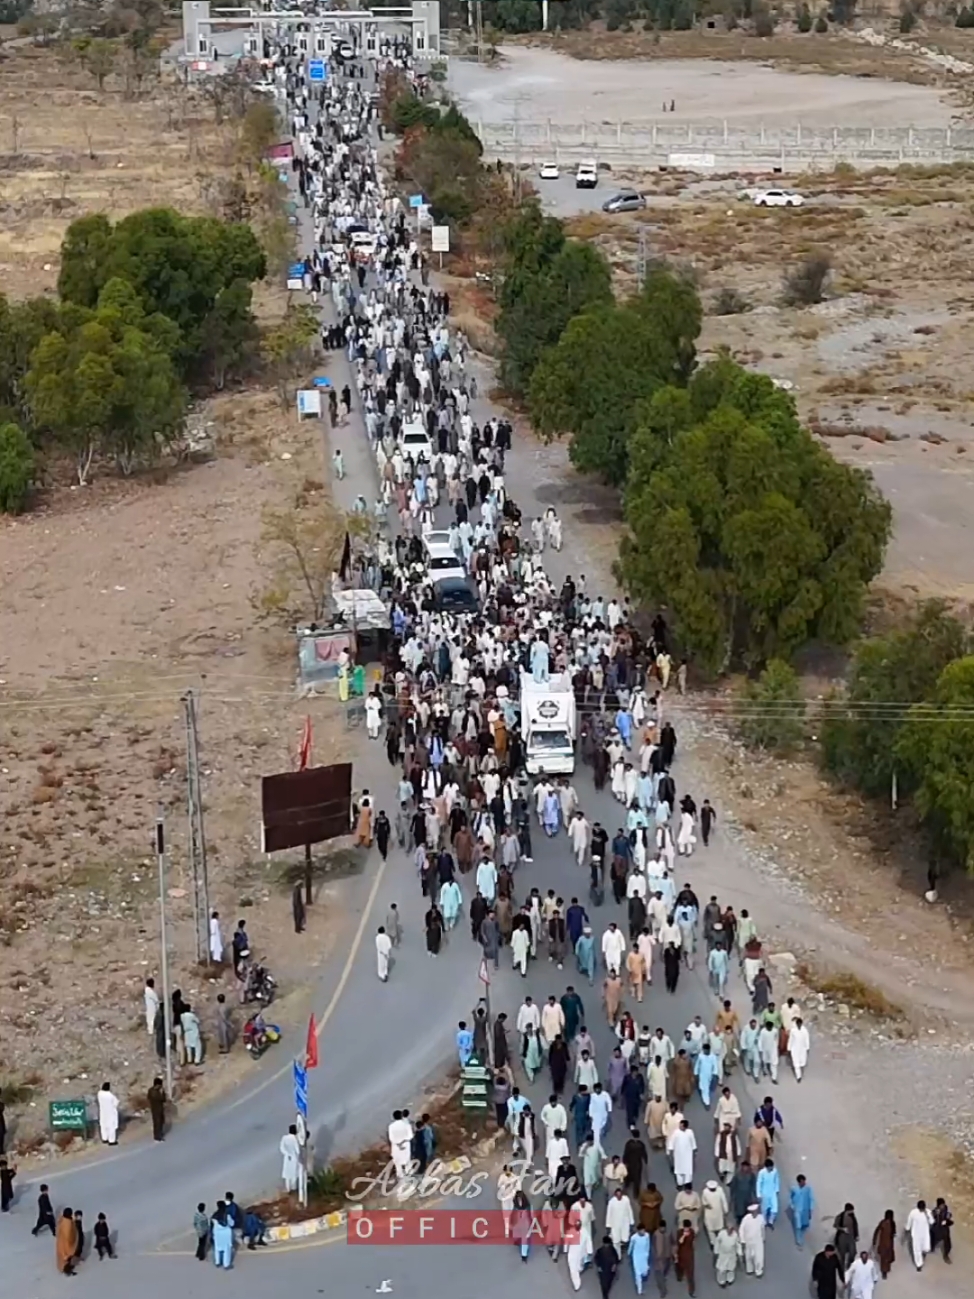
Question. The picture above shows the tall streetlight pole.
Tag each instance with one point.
(166, 1000)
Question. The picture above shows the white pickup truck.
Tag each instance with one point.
(587, 174)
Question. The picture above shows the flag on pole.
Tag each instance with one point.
(311, 1050)
(304, 752)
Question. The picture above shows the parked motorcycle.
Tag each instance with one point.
(258, 1036)
(259, 985)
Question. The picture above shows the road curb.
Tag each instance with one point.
(332, 1221)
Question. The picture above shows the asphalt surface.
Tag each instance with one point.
(379, 1043)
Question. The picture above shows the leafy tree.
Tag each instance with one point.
(804, 19)
(16, 468)
(753, 536)
(407, 111)
(177, 266)
(887, 675)
(965, 17)
(287, 347)
(771, 709)
(84, 251)
(446, 169)
(821, 24)
(99, 58)
(577, 278)
(229, 332)
(22, 326)
(73, 389)
(936, 745)
(259, 131)
(518, 15)
(763, 23)
(530, 241)
(103, 381)
(608, 363)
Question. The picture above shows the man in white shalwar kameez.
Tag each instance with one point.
(216, 939)
(578, 833)
(751, 1235)
(613, 948)
(619, 1220)
(520, 950)
(798, 1044)
(862, 1277)
(680, 1146)
(581, 1217)
(108, 1116)
(685, 838)
(400, 1133)
(151, 1004)
(918, 1230)
(291, 1155)
(383, 948)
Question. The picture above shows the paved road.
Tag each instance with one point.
(378, 1044)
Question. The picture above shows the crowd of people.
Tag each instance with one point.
(662, 1099)
(447, 711)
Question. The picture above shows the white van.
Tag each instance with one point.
(548, 724)
(587, 174)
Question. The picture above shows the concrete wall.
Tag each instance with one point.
(732, 146)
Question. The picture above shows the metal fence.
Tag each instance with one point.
(725, 145)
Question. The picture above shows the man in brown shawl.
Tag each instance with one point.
(66, 1242)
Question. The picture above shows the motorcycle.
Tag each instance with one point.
(259, 985)
(258, 1036)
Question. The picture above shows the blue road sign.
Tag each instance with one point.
(300, 1089)
(317, 70)
(295, 271)
(416, 200)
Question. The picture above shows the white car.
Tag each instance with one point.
(436, 536)
(548, 171)
(415, 442)
(777, 198)
(442, 562)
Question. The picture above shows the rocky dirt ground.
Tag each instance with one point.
(839, 52)
(116, 599)
(67, 149)
(879, 367)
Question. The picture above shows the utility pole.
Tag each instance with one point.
(480, 31)
(166, 1000)
(642, 259)
(197, 836)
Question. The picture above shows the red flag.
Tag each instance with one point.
(304, 752)
(311, 1050)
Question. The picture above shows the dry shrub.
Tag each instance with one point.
(850, 990)
(804, 284)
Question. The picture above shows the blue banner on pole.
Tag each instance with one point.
(415, 200)
(295, 271)
(317, 71)
(300, 1089)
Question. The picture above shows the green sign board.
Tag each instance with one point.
(474, 1079)
(68, 1116)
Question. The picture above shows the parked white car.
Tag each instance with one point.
(548, 171)
(778, 198)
